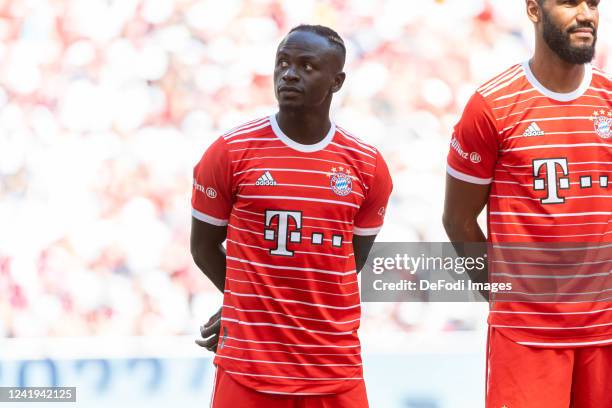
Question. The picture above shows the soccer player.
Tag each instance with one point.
(534, 144)
(298, 202)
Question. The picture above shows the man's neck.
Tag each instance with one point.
(554, 73)
(304, 127)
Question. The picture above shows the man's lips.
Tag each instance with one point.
(584, 30)
(289, 89)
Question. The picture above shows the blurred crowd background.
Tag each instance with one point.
(106, 105)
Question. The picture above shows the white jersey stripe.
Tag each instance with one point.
(296, 289)
(293, 158)
(282, 326)
(352, 149)
(292, 344)
(302, 185)
(292, 278)
(499, 79)
(600, 90)
(250, 139)
(208, 219)
(466, 177)
(293, 268)
(303, 225)
(288, 362)
(349, 157)
(553, 327)
(504, 85)
(252, 126)
(521, 136)
(552, 236)
(292, 316)
(353, 139)
(308, 218)
(295, 378)
(551, 215)
(516, 93)
(312, 200)
(297, 252)
(552, 313)
(552, 146)
(523, 276)
(293, 352)
(552, 225)
(564, 118)
(545, 107)
(293, 301)
(576, 344)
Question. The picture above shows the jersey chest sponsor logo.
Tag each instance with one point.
(553, 176)
(280, 225)
(341, 181)
(602, 121)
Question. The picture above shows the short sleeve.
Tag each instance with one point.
(474, 145)
(211, 195)
(371, 214)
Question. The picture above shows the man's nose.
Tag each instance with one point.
(289, 74)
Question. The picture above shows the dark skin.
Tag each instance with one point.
(570, 16)
(307, 72)
(465, 201)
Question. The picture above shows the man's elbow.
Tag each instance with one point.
(196, 255)
(454, 224)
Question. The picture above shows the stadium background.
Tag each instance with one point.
(105, 106)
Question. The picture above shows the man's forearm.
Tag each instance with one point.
(469, 232)
(212, 263)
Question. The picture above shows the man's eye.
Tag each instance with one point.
(308, 67)
(283, 64)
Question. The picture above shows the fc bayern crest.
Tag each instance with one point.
(340, 181)
(602, 121)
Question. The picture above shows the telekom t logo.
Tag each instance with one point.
(550, 181)
(280, 235)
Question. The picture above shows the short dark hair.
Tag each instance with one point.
(325, 32)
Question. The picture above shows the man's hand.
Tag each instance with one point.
(210, 332)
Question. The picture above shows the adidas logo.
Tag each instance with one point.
(533, 130)
(265, 179)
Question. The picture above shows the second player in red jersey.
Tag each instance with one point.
(298, 202)
(535, 144)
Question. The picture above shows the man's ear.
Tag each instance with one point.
(534, 12)
(338, 81)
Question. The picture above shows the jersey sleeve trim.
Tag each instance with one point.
(466, 177)
(366, 231)
(208, 219)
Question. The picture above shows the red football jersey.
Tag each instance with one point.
(291, 306)
(548, 158)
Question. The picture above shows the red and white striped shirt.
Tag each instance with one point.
(291, 306)
(548, 159)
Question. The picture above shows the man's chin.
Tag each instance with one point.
(290, 105)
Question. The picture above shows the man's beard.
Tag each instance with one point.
(559, 42)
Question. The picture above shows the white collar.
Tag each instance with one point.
(307, 148)
(561, 97)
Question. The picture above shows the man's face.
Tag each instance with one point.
(308, 70)
(569, 27)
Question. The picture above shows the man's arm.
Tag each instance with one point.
(462, 204)
(209, 255)
(362, 244)
(207, 251)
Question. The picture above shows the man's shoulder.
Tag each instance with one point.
(502, 83)
(602, 78)
(348, 140)
(253, 128)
